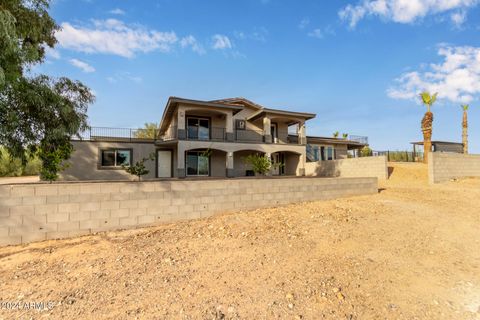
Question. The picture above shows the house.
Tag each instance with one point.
(206, 139)
(440, 146)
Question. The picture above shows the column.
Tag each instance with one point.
(181, 173)
(267, 130)
(229, 165)
(181, 132)
(229, 136)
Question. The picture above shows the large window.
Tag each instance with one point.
(197, 163)
(329, 153)
(115, 157)
(198, 128)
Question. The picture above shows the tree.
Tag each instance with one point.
(149, 131)
(38, 114)
(366, 152)
(261, 164)
(465, 129)
(427, 121)
(336, 134)
(139, 169)
(345, 136)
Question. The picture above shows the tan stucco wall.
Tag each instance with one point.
(218, 164)
(39, 212)
(443, 166)
(353, 167)
(84, 162)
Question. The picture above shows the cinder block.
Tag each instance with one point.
(68, 207)
(90, 206)
(46, 209)
(133, 212)
(51, 190)
(129, 204)
(119, 196)
(34, 236)
(69, 189)
(185, 208)
(100, 214)
(146, 219)
(22, 210)
(11, 221)
(78, 233)
(34, 220)
(57, 235)
(89, 224)
(90, 188)
(156, 195)
(22, 191)
(3, 232)
(68, 226)
(35, 200)
(130, 221)
(79, 216)
(138, 195)
(110, 205)
(4, 212)
(58, 217)
(10, 202)
(57, 199)
(6, 241)
(119, 213)
(5, 191)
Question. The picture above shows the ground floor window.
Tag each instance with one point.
(115, 157)
(197, 163)
(329, 153)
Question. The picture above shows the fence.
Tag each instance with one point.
(400, 156)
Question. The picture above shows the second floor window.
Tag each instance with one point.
(198, 128)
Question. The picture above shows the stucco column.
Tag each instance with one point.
(229, 165)
(181, 132)
(302, 134)
(229, 127)
(301, 165)
(181, 173)
(267, 130)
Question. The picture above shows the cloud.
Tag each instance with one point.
(321, 33)
(304, 23)
(85, 67)
(52, 53)
(401, 11)
(458, 18)
(112, 36)
(221, 42)
(456, 78)
(190, 41)
(122, 76)
(258, 34)
(117, 11)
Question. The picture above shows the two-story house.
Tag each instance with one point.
(206, 139)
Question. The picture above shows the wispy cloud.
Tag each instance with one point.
(258, 34)
(122, 76)
(402, 11)
(321, 33)
(85, 67)
(117, 11)
(52, 53)
(304, 23)
(221, 42)
(112, 36)
(456, 78)
(191, 41)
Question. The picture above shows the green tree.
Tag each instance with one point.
(149, 131)
(336, 134)
(139, 169)
(345, 136)
(366, 151)
(427, 121)
(260, 163)
(37, 113)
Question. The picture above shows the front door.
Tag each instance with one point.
(164, 163)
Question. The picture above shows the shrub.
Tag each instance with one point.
(366, 152)
(139, 169)
(260, 163)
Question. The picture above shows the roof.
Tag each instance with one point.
(262, 112)
(434, 142)
(330, 140)
(239, 101)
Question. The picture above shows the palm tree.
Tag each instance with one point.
(336, 134)
(149, 131)
(345, 136)
(427, 121)
(465, 129)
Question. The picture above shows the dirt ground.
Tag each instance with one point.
(410, 252)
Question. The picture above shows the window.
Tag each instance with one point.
(329, 153)
(198, 128)
(116, 157)
(316, 153)
(197, 163)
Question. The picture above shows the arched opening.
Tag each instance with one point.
(205, 163)
(286, 163)
(240, 167)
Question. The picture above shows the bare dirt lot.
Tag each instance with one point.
(410, 252)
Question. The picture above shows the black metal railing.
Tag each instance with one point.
(399, 156)
(359, 139)
(170, 134)
(117, 134)
(248, 135)
(213, 134)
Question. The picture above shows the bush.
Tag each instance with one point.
(12, 167)
(366, 152)
(260, 163)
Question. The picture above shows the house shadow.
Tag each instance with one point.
(390, 171)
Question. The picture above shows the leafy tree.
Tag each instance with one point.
(139, 169)
(260, 163)
(149, 131)
(12, 167)
(336, 134)
(427, 121)
(37, 113)
(345, 136)
(366, 152)
(465, 129)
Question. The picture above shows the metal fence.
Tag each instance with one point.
(118, 134)
(400, 156)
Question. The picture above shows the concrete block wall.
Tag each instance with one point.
(38, 212)
(352, 167)
(443, 166)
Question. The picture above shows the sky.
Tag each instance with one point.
(358, 64)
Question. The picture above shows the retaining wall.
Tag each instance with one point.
(352, 167)
(47, 211)
(443, 166)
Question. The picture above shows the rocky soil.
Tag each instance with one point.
(410, 252)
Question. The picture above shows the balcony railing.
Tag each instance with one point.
(249, 136)
(359, 139)
(118, 134)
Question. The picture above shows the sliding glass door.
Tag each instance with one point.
(198, 128)
(197, 163)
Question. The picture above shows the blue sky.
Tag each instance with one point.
(357, 64)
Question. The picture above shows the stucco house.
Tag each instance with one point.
(229, 129)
